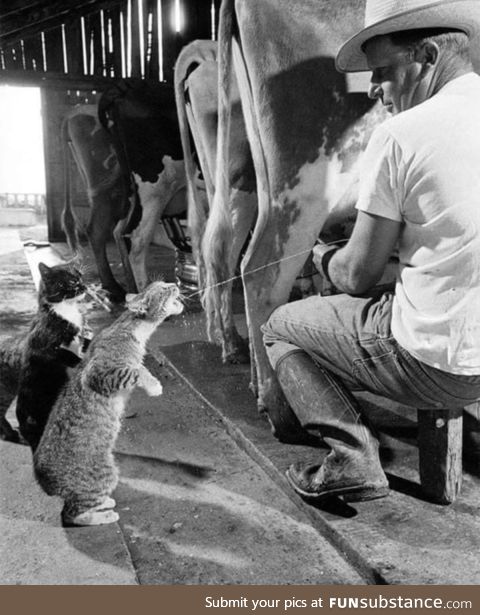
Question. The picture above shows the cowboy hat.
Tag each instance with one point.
(386, 16)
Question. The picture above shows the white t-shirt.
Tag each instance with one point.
(422, 167)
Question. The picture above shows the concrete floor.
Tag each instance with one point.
(194, 507)
(203, 498)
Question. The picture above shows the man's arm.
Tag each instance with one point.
(360, 264)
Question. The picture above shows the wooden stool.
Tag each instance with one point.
(440, 453)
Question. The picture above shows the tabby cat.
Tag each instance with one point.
(75, 456)
(35, 365)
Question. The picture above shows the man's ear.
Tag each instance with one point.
(427, 54)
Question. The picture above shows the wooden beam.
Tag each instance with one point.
(33, 53)
(114, 58)
(73, 36)
(54, 50)
(42, 16)
(440, 453)
(135, 32)
(171, 40)
(153, 68)
(53, 80)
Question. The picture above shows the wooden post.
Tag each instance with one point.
(53, 111)
(54, 50)
(440, 453)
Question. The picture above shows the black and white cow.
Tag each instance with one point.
(141, 118)
(196, 91)
(306, 134)
(132, 166)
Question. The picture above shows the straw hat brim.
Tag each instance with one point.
(460, 15)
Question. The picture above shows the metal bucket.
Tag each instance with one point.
(186, 273)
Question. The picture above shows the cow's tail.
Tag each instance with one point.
(218, 237)
(69, 222)
(189, 58)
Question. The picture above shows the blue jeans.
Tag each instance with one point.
(350, 338)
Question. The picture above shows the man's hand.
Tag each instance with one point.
(318, 252)
(359, 265)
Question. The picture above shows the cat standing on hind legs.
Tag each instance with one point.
(74, 458)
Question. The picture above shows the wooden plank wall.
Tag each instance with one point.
(126, 38)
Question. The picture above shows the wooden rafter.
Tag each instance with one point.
(22, 20)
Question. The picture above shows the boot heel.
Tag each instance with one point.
(366, 493)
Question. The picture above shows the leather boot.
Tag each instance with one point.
(324, 407)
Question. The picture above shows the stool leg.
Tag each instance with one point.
(440, 452)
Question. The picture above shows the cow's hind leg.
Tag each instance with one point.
(224, 239)
(141, 238)
(100, 231)
(266, 287)
(120, 240)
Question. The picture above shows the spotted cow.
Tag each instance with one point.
(306, 134)
(129, 154)
(196, 91)
(141, 119)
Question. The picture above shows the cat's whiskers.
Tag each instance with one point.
(156, 277)
(103, 302)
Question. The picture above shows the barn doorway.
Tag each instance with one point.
(22, 164)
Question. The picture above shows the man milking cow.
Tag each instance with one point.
(419, 190)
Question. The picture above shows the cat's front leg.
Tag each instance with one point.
(149, 383)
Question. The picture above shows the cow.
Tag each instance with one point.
(98, 165)
(196, 92)
(306, 134)
(141, 118)
(129, 154)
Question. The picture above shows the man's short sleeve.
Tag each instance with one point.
(381, 188)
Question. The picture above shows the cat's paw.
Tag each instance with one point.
(91, 517)
(10, 435)
(154, 389)
(107, 503)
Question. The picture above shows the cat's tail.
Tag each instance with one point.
(43, 476)
(11, 353)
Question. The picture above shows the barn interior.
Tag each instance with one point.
(207, 421)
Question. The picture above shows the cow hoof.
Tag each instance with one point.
(237, 357)
(116, 296)
(238, 353)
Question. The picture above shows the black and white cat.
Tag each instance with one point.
(35, 366)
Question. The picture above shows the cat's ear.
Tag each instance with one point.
(44, 269)
(136, 304)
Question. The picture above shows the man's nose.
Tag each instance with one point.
(374, 90)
